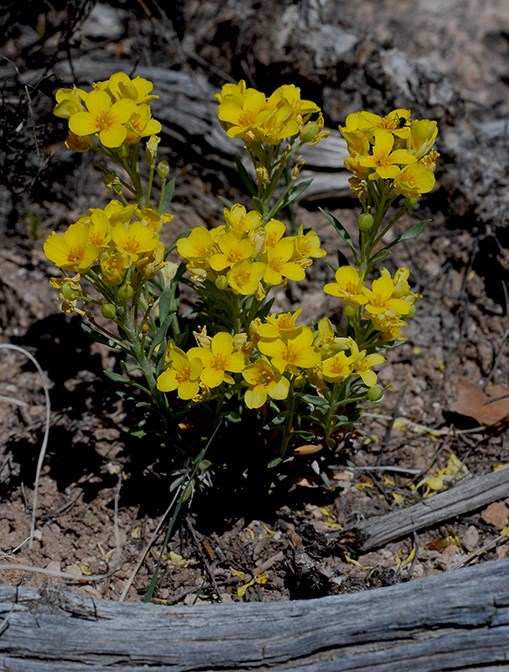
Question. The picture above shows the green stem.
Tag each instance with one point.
(287, 432)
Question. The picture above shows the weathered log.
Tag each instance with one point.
(468, 495)
(458, 620)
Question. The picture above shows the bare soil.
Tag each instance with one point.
(102, 503)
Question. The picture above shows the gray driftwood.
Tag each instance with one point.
(456, 621)
(469, 494)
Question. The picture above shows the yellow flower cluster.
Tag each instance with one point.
(255, 118)
(393, 147)
(113, 239)
(277, 352)
(247, 256)
(385, 303)
(116, 111)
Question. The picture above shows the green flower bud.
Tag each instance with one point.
(108, 311)
(375, 393)
(411, 312)
(309, 132)
(410, 202)
(125, 292)
(163, 169)
(365, 221)
(350, 311)
(70, 292)
(221, 282)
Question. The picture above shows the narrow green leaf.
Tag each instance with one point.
(340, 229)
(168, 195)
(274, 463)
(415, 230)
(246, 177)
(118, 378)
(409, 234)
(296, 191)
(100, 338)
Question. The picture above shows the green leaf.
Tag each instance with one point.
(160, 335)
(341, 231)
(409, 234)
(274, 463)
(415, 230)
(117, 378)
(100, 338)
(166, 303)
(246, 177)
(296, 191)
(168, 195)
(228, 204)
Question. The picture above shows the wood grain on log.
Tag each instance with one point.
(457, 620)
(469, 494)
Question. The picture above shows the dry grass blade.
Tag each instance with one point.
(42, 452)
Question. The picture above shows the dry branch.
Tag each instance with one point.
(458, 620)
(469, 494)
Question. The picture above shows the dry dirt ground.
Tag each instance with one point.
(102, 505)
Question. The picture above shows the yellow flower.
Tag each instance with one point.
(245, 277)
(289, 94)
(414, 180)
(116, 212)
(380, 298)
(362, 364)
(264, 381)
(423, 133)
(326, 340)
(113, 268)
(281, 124)
(240, 222)
(99, 232)
(307, 247)
(104, 118)
(293, 353)
(153, 219)
(384, 160)
(134, 240)
(348, 286)
(232, 250)
(279, 326)
(183, 374)
(279, 264)
(218, 359)
(243, 114)
(397, 121)
(121, 86)
(337, 368)
(71, 250)
(274, 231)
(78, 143)
(389, 324)
(141, 123)
(69, 101)
(199, 244)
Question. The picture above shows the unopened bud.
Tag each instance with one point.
(365, 221)
(309, 131)
(163, 169)
(262, 175)
(410, 202)
(375, 393)
(411, 312)
(221, 282)
(108, 311)
(125, 292)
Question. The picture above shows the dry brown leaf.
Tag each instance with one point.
(496, 514)
(472, 402)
